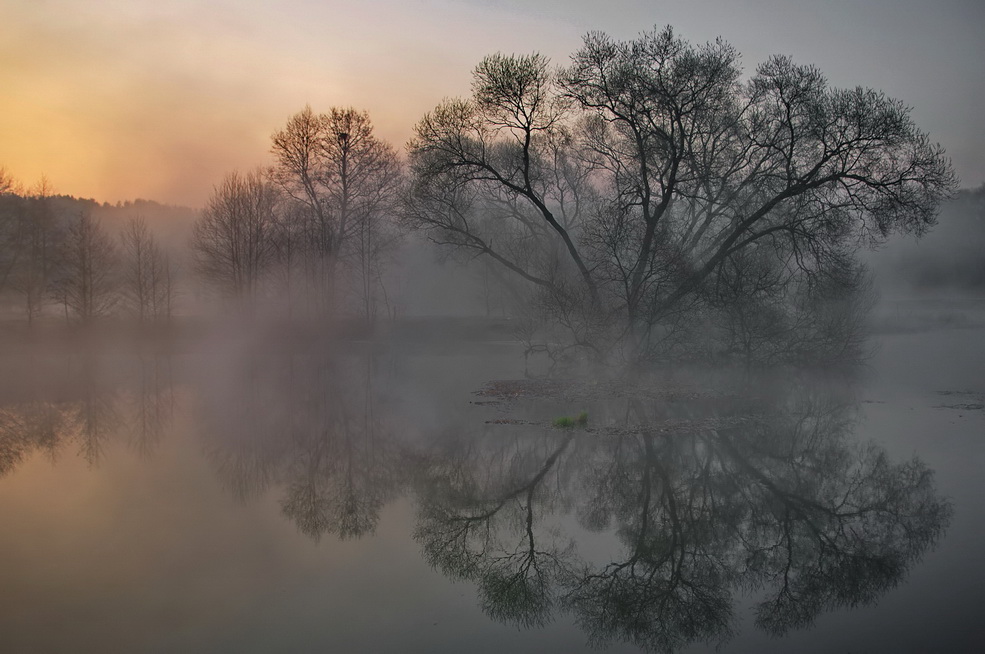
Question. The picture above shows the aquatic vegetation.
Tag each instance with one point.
(566, 422)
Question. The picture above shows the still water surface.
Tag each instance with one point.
(238, 496)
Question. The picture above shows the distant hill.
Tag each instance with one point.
(170, 224)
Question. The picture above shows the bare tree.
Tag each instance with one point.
(647, 170)
(164, 287)
(12, 211)
(147, 274)
(137, 245)
(493, 174)
(7, 182)
(233, 241)
(30, 234)
(88, 281)
(42, 241)
(346, 179)
(291, 247)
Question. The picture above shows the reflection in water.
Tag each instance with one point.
(81, 404)
(646, 528)
(309, 426)
(706, 498)
(29, 427)
(96, 419)
(152, 403)
(479, 504)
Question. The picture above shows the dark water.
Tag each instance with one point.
(242, 495)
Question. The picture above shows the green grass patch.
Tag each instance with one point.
(566, 422)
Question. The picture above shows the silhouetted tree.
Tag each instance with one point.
(31, 236)
(43, 239)
(12, 218)
(7, 182)
(347, 181)
(147, 273)
(88, 279)
(640, 181)
(291, 245)
(233, 241)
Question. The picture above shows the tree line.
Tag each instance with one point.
(55, 252)
(316, 227)
(642, 196)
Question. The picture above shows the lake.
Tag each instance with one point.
(256, 492)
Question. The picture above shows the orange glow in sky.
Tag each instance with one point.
(125, 99)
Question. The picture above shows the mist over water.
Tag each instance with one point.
(600, 361)
(255, 489)
(244, 477)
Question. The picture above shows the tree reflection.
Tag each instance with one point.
(26, 428)
(152, 403)
(310, 426)
(672, 585)
(707, 498)
(95, 418)
(478, 510)
(341, 474)
(81, 410)
(829, 522)
(643, 528)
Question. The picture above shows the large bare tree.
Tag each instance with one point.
(346, 179)
(648, 177)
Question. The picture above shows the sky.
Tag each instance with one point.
(124, 99)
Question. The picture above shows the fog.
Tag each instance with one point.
(249, 473)
(493, 392)
(947, 261)
(270, 485)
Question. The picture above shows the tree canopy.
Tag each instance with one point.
(648, 179)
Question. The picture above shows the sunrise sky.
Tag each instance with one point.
(125, 99)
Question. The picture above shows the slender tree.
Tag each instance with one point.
(12, 218)
(233, 242)
(30, 235)
(147, 275)
(88, 281)
(42, 240)
(137, 257)
(7, 182)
